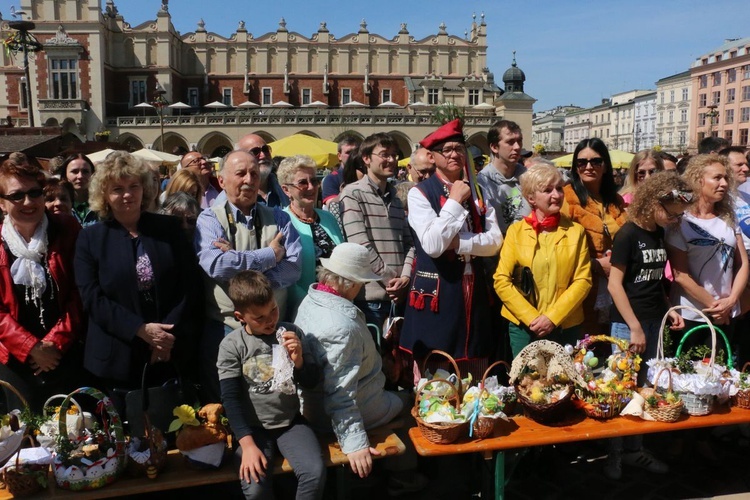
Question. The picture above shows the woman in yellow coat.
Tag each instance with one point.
(554, 250)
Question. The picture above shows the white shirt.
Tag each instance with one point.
(436, 232)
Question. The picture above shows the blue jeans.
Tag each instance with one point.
(651, 330)
(299, 445)
(376, 312)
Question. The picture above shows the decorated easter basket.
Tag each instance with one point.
(604, 395)
(742, 398)
(11, 435)
(24, 480)
(695, 403)
(458, 384)
(147, 454)
(93, 465)
(547, 364)
(484, 426)
(439, 432)
(665, 411)
(76, 421)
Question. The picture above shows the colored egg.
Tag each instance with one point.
(593, 361)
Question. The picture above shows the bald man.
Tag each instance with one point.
(270, 192)
(200, 165)
(421, 165)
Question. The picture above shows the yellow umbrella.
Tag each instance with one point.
(620, 159)
(324, 153)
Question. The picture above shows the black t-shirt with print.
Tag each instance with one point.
(644, 258)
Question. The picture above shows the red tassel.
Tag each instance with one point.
(412, 294)
(419, 303)
(434, 304)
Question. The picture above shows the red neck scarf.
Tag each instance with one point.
(325, 288)
(549, 223)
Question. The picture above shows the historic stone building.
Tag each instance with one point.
(673, 113)
(98, 73)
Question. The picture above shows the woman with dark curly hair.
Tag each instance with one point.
(591, 200)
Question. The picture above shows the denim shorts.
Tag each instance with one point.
(651, 329)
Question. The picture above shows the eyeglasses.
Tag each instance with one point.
(33, 194)
(642, 174)
(386, 156)
(595, 162)
(424, 174)
(304, 184)
(197, 160)
(675, 195)
(447, 151)
(670, 215)
(265, 149)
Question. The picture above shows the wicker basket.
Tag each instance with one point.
(694, 404)
(456, 371)
(13, 443)
(550, 413)
(104, 470)
(23, 480)
(742, 398)
(483, 426)
(157, 448)
(665, 413)
(439, 432)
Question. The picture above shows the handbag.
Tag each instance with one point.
(157, 402)
(523, 280)
(397, 363)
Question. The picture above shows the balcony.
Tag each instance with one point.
(56, 111)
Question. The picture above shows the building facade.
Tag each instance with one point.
(98, 72)
(721, 93)
(549, 126)
(673, 101)
(577, 128)
(644, 127)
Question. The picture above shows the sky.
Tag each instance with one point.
(572, 51)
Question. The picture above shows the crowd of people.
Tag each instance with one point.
(277, 304)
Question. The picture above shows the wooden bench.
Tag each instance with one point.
(522, 432)
(177, 474)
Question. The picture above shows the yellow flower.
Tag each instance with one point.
(185, 416)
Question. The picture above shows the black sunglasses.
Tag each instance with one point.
(260, 149)
(675, 195)
(595, 162)
(20, 195)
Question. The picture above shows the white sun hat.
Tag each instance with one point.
(351, 261)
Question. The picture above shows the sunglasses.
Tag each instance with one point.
(33, 194)
(260, 149)
(670, 215)
(304, 184)
(642, 174)
(595, 162)
(675, 195)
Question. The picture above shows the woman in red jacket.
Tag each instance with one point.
(40, 310)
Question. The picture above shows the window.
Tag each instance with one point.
(661, 97)
(226, 96)
(743, 137)
(683, 115)
(671, 116)
(702, 101)
(138, 92)
(701, 119)
(728, 136)
(661, 118)
(64, 78)
(703, 81)
(717, 78)
(22, 94)
(701, 136)
(731, 75)
(346, 96)
(193, 99)
(746, 72)
(473, 97)
(746, 93)
(266, 96)
(433, 96)
(729, 116)
(716, 97)
(685, 94)
(669, 138)
(671, 96)
(385, 95)
(730, 96)
(745, 115)
(683, 137)
(306, 97)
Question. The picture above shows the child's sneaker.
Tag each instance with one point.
(613, 467)
(645, 460)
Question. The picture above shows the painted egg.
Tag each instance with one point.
(593, 361)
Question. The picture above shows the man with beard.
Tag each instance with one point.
(236, 234)
(270, 192)
(200, 165)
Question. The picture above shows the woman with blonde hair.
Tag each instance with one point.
(643, 165)
(187, 181)
(551, 250)
(138, 278)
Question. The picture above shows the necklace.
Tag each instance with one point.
(302, 218)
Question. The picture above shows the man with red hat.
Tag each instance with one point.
(451, 304)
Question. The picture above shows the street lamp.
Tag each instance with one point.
(711, 115)
(159, 103)
(23, 41)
